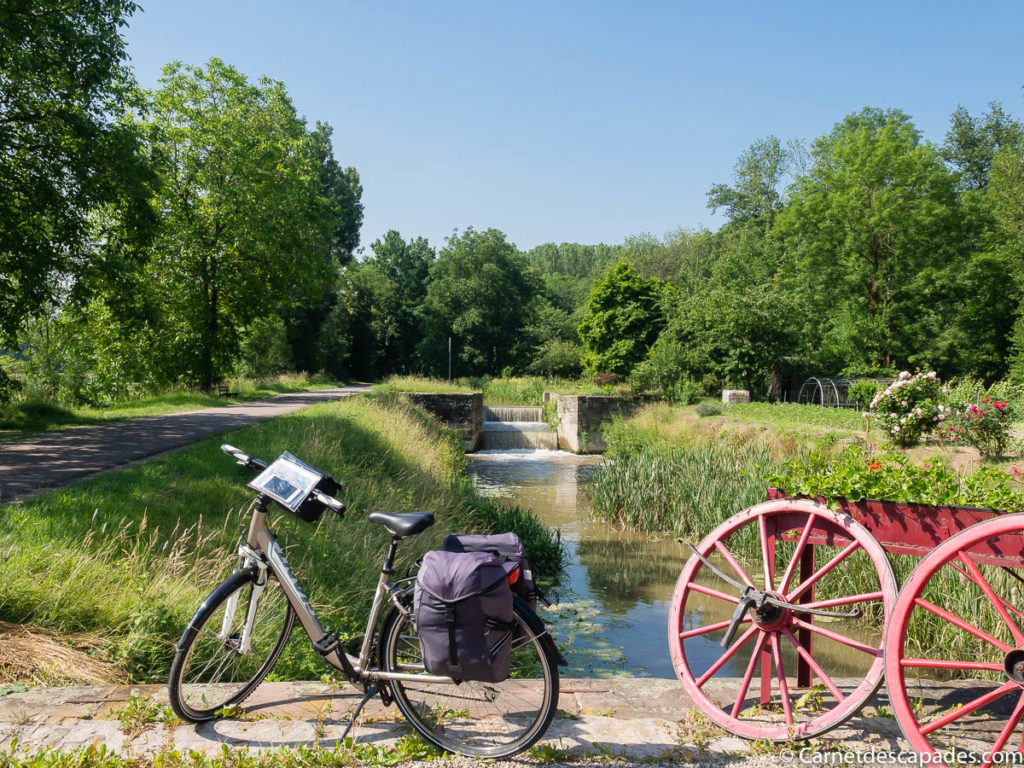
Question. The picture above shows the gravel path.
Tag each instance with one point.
(59, 458)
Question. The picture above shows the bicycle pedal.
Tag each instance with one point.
(326, 644)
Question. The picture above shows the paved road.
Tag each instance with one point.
(59, 458)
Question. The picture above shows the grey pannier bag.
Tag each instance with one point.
(463, 607)
(508, 548)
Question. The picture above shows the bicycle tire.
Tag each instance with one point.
(489, 720)
(223, 677)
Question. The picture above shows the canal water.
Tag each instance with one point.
(611, 614)
(610, 611)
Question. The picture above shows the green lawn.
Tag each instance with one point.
(32, 416)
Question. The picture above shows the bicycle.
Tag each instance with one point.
(238, 633)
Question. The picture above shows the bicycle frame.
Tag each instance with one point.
(262, 551)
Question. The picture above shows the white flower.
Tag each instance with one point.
(904, 374)
(893, 415)
(895, 430)
(865, 414)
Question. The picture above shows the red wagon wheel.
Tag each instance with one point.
(954, 652)
(815, 670)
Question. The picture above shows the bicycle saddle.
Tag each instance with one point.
(404, 525)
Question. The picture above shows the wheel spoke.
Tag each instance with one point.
(862, 598)
(766, 556)
(784, 584)
(982, 582)
(1004, 735)
(709, 628)
(833, 689)
(726, 656)
(712, 592)
(966, 626)
(849, 641)
(966, 709)
(814, 577)
(745, 684)
(787, 706)
(732, 561)
(1006, 605)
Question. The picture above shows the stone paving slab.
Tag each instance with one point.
(62, 457)
(638, 719)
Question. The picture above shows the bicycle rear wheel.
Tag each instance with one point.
(211, 670)
(473, 718)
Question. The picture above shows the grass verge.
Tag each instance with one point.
(130, 555)
(31, 416)
(519, 390)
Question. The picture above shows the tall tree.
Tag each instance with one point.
(342, 195)
(622, 320)
(972, 142)
(247, 231)
(63, 83)
(479, 295)
(758, 175)
(384, 295)
(871, 226)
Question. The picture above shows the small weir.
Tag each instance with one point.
(516, 428)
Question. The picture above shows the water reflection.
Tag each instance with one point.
(613, 604)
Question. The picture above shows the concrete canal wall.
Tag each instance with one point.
(581, 417)
(462, 411)
(580, 420)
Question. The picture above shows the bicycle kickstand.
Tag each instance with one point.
(371, 691)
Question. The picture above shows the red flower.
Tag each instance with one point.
(873, 465)
(1016, 471)
(985, 399)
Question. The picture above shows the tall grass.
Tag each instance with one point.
(684, 489)
(130, 555)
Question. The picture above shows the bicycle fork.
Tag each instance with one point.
(248, 558)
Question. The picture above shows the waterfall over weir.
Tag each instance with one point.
(511, 428)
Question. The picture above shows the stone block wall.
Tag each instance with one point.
(580, 418)
(462, 411)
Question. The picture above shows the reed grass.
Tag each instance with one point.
(130, 555)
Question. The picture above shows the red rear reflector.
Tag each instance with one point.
(513, 575)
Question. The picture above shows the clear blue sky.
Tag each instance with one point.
(585, 121)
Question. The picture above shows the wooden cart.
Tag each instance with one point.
(791, 647)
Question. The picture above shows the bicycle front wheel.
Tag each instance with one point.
(214, 666)
(472, 718)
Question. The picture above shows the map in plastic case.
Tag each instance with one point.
(288, 481)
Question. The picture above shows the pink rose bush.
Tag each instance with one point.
(985, 425)
(910, 407)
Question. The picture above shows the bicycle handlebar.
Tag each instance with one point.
(243, 459)
(251, 462)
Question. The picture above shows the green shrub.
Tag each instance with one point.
(910, 407)
(704, 410)
(863, 391)
(860, 474)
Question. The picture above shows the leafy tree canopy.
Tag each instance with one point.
(480, 294)
(622, 320)
(63, 83)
